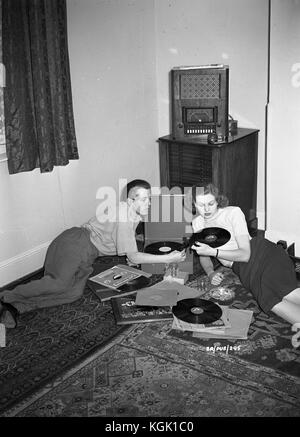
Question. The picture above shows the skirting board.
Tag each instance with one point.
(22, 264)
(261, 220)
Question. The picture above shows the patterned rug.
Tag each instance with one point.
(59, 363)
(145, 372)
(49, 341)
(269, 337)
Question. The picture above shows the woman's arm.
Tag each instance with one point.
(215, 277)
(242, 254)
(207, 264)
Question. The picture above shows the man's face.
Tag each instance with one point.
(141, 201)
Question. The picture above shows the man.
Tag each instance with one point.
(70, 256)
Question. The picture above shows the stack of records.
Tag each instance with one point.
(239, 320)
(200, 315)
(206, 319)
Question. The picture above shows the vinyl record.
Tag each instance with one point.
(213, 237)
(197, 311)
(163, 247)
(135, 284)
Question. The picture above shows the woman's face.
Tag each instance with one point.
(206, 205)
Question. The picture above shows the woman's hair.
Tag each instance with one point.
(210, 188)
(135, 184)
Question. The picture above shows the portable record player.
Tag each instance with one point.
(167, 229)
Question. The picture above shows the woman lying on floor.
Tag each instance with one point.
(263, 267)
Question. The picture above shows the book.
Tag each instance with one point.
(127, 312)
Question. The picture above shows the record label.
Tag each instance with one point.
(197, 310)
(163, 247)
(213, 237)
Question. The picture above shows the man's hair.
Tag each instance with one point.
(200, 189)
(135, 184)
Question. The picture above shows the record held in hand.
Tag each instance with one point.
(213, 237)
(197, 311)
(135, 284)
(163, 247)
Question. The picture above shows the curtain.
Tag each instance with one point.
(38, 110)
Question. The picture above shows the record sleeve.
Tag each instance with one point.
(239, 323)
(115, 277)
(104, 285)
(219, 326)
(157, 297)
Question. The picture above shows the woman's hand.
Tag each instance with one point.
(203, 249)
(176, 256)
(216, 278)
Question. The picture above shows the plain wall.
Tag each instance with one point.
(112, 63)
(283, 187)
(121, 53)
(231, 32)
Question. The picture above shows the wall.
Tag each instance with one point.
(234, 32)
(284, 118)
(121, 52)
(112, 62)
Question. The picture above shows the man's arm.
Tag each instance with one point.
(141, 257)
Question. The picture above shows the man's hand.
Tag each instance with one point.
(175, 256)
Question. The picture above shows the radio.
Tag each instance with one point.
(200, 101)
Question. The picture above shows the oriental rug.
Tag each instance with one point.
(50, 340)
(73, 360)
(145, 372)
(269, 336)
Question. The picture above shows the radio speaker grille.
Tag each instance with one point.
(206, 86)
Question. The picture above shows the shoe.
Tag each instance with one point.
(8, 308)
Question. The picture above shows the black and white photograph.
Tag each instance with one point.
(150, 150)
(126, 311)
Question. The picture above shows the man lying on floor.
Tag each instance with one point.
(70, 256)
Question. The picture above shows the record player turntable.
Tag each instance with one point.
(167, 230)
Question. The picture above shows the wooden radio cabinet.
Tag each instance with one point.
(231, 166)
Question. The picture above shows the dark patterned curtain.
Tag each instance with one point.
(38, 107)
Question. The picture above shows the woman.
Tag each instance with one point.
(263, 267)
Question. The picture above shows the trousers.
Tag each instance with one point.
(68, 264)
